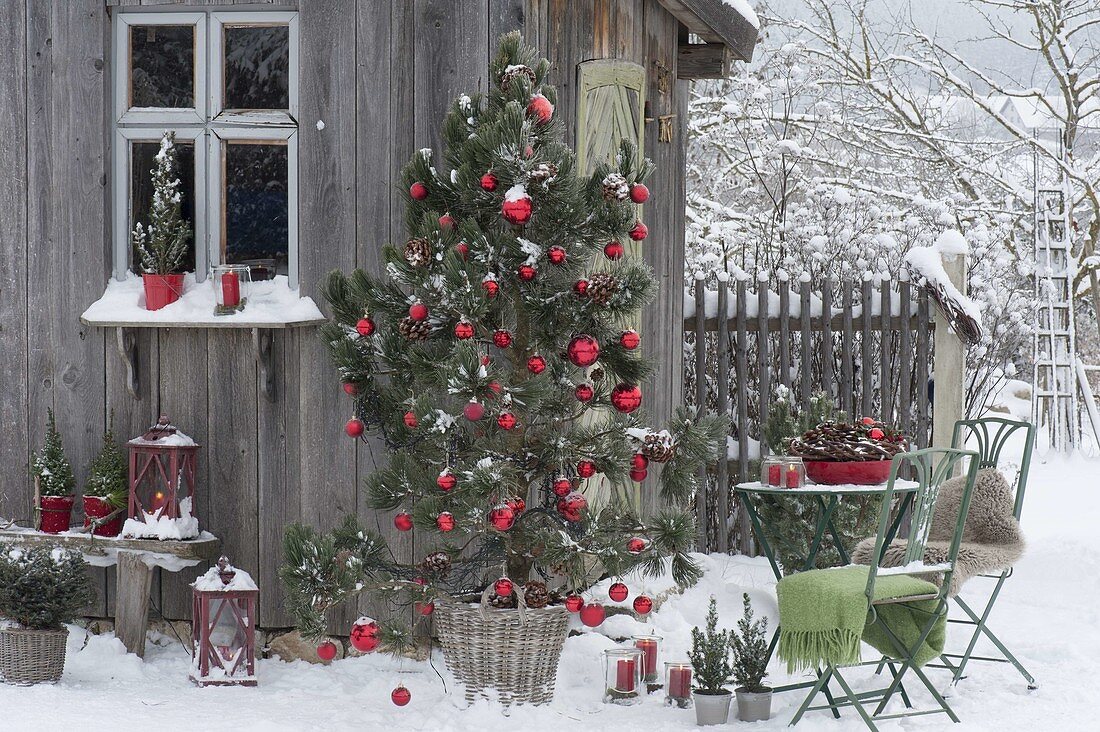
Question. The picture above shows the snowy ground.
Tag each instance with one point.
(1048, 613)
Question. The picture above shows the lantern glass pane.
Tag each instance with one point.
(227, 635)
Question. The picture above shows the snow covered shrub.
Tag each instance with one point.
(710, 654)
(750, 651)
(42, 588)
(51, 467)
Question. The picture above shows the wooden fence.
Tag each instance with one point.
(868, 344)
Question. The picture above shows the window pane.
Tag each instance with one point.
(162, 59)
(257, 67)
(142, 162)
(256, 206)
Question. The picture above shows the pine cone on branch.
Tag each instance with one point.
(414, 330)
(658, 447)
(514, 72)
(535, 594)
(602, 286)
(544, 172)
(436, 563)
(615, 187)
(418, 252)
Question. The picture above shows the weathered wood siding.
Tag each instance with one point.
(380, 75)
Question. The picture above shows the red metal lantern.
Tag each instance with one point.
(162, 484)
(223, 636)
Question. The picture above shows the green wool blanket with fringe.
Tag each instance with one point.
(823, 615)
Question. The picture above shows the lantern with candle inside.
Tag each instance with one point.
(651, 672)
(223, 637)
(794, 472)
(623, 675)
(162, 484)
(678, 685)
(782, 471)
(231, 285)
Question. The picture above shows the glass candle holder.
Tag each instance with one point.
(231, 285)
(651, 672)
(678, 685)
(782, 471)
(623, 675)
(794, 472)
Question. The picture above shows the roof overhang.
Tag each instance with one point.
(729, 36)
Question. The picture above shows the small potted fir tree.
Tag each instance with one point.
(54, 482)
(41, 589)
(710, 660)
(750, 666)
(107, 490)
(162, 244)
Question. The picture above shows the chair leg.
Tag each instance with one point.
(979, 629)
(870, 722)
(832, 702)
(901, 688)
(935, 694)
(822, 680)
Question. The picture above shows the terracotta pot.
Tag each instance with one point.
(835, 472)
(57, 512)
(161, 290)
(96, 507)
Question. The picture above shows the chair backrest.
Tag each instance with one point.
(929, 468)
(989, 435)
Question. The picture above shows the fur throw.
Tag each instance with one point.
(991, 542)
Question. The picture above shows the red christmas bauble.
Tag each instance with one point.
(485, 361)
(364, 635)
(351, 389)
(638, 475)
(593, 614)
(418, 191)
(636, 545)
(516, 210)
(489, 182)
(420, 581)
(630, 339)
(618, 592)
(528, 151)
(503, 587)
(562, 487)
(506, 421)
(446, 480)
(502, 338)
(446, 221)
(424, 608)
(410, 420)
(571, 516)
(491, 287)
(463, 250)
(626, 398)
(464, 330)
(876, 434)
(583, 392)
(418, 311)
(517, 504)
(403, 521)
(583, 350)
(536, 364)
(868, 421)
(400, 696)
(586, 468)
(540, 108)
(639, 193)
(643, 605)
(614, 250)
(326, 651)
(639, 232)
(445, 521)
(494, 386)
(502, 518)
(526, 272)
(575, 501)
(365, 326)
(556, 255)
(580, 288)
(639, 462)
(473, 411)
(574, 603)
(354, 427)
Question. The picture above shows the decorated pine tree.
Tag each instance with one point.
(51, 467)
(107, 477)
(495, 359)
(162, 244)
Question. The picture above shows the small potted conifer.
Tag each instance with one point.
(163, 243)
(53, 475)
(710, 660)
(107, 489)
(750, 666)
(41, 589)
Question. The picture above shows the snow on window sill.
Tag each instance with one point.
(271, 304)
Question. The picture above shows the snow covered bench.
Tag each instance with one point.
(136, 559)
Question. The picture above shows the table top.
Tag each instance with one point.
(817, 489)
(102, 551)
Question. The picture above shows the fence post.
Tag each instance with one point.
(950, 364)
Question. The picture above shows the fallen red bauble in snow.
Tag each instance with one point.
(326, 651)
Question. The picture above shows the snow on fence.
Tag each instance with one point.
(758, 335)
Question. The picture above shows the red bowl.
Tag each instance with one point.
(835, 472)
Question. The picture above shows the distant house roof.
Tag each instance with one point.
(730, 22)
(1034, 114)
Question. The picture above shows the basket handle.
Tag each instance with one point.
(521, 605)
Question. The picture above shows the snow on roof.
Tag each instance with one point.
(212, 580)
(745, 9)
(178, 439)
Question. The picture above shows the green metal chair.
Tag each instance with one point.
(930, 468)
(989, 436)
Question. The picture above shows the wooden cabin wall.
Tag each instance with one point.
(380, 75)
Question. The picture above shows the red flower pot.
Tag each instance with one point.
(835, 472)
(56, 513)
(96, 507)
(161, 290)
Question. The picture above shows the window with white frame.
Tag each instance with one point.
(227, 84)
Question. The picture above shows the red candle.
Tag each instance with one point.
(648, 647)
(231, 289)
(679, 683)
(792, 477)
(624, 680)
(773, 475)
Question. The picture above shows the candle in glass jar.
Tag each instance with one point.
(648, 647)
(624, 680)
(231, 289)
(792, 476)
(773, 474)
(679, 682)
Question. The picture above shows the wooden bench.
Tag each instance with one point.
(136, 559)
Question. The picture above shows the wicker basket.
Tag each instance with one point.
(32, 656)
(512, 652)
